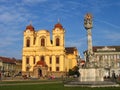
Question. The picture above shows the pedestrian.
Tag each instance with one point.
(0, 75)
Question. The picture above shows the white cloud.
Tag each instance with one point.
(107, 37)
(5, 1)
(31, 2)
(8, 40)
(108, 23)
(113, 36)
(12, 14)
(10, 18)
(79, 43)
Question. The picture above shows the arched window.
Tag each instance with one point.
(27, 60)
(57, 60)
(57, 42)
(42, 42)
(50, 60)
(57, 68)
(34, 60)
(42, 58)
(50, 68)
(28, 43)
(34, 40)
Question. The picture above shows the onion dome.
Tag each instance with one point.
(58, 25)
(41, 63)
(30, 27)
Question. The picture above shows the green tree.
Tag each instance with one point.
(74, 71)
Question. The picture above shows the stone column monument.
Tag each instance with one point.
(88, 26)
(90, 72)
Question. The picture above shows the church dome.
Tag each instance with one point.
(30, 27)
(58, 25)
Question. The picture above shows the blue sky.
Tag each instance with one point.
(15, 15)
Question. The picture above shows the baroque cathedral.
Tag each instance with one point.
(43, 56)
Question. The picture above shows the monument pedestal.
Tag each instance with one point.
(91, 74)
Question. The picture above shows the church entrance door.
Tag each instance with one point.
(39, 72)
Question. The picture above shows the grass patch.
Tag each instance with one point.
(33, 87)
(51, 86)
(27, 81)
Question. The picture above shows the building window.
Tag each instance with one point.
(34, 40)
(57, 68)
(57, 42)
(42, 58)
(28, 43)
(50, 68)
(50, 60)
(34, 60)
(42, 42)
(118, 56)
(57, 60)
(27, 60)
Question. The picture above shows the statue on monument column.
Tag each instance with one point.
(88, 21)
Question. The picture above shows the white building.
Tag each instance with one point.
(107, 57)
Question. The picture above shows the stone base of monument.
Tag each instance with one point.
(91, 74)
(91, 77)
(91, 84)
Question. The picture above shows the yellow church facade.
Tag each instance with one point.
(42, 56)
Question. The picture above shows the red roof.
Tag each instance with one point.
(30, 27)
(82, 61)
(42, 63)
(58, 25)
(7, 60)
(70, 50)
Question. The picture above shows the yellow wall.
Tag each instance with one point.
(35, 50)
(71, 61)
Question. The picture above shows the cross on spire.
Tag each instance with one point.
(30, 22)
(58, 20)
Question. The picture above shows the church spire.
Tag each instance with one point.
(58, 25)
(58, 20)
(30, 27)
(30, 22)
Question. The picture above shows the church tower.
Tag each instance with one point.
(29, 36)
(28, 44)
(58, 35)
